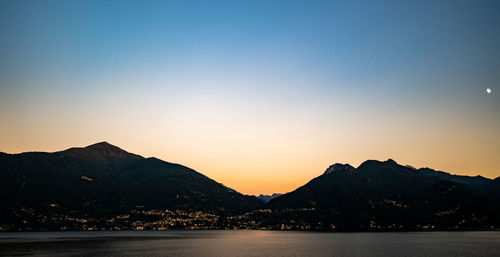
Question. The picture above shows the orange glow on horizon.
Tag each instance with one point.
(283, 174)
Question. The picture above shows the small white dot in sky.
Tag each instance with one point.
(488, 90)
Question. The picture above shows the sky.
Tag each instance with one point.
(261, 96)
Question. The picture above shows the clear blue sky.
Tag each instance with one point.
(269, 89)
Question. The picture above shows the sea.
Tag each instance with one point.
(246, 243)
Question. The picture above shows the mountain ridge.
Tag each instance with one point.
(267, 198)
(104, 180)
(383, 195)
(104, 186)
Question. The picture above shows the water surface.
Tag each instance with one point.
(248, 243)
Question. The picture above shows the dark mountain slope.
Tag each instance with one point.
(488, 187)
(156, 183)
(67, 177)
(103, 180)
(384, 196)
(493, 189)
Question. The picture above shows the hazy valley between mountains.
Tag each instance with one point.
(102, 187)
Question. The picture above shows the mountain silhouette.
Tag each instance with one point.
(103, 180)
(388, 196)
(267, 198)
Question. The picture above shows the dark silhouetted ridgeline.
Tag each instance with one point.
(104, 187)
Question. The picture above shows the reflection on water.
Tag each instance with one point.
(248, 243)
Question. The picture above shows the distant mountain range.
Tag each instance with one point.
(104, 187)
(267, 198)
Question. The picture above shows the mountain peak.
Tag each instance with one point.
(101, 151)
(101, 144)
(391, 161)
(266, 198)
(337, 167)
(375, 164)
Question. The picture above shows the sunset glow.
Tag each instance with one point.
(260, 96)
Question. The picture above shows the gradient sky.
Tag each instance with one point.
(261, 96)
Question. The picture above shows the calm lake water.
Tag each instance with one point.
(248, 243)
